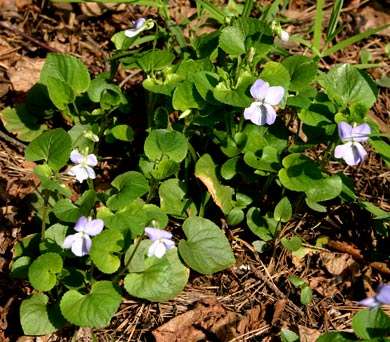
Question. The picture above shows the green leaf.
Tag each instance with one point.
(302, 174)
(49, 181)
(337, 337)
(155, 216)
(19, 268)
(173, 200)
(236, 96)
(43, 271)
(229, 168)
(39, 318)
(163, 142)
(232, 41)
(296, 281)
(302, 71)
(306, 295)
(93, 310)
(292, 244)
(262, 226)
(53, 146)
(60, 93)
(21, 122)
(66, 211)
(206, 250)
(130, 185)
(54, 239)
(164, 279)
(348, 86)
(155, 60)
(205, 82)
(236, 216)
(105, 247)
(276, 74)
(186, 97)
(221, 194)
(368, 324)
(122, 132)
(283, 210)
(67, 69)
(288, 336)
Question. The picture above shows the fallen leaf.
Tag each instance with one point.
(345, 247)
(375, 16)
(336, 263)
(307, 334)
(25, 73)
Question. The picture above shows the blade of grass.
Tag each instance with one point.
(318, 24)
(352, 40)
(215, 12)
(338, 5)
(247, 8)
(270, 12)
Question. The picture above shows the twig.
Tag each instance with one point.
(31, 39)
(12, 140)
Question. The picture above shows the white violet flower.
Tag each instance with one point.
(352, 150)
(284, 36)
(261, 111)
(162, 241)
(80, 243)
(83, 170)
(138, 27)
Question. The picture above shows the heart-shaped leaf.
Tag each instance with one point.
(130, 185)
(104, 249)
(53, 146)
(94, 309)
(161, 281)
(39, 318)
(43, 270)
(163, 142)
(206, 250)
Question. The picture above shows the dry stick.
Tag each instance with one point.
(12, 140)
(31, 39)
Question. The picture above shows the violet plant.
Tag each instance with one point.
(213, 143)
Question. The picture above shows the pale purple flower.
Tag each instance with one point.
(352, 150)
(138, 27)
(80, 243)
(261, 111)
(83, 170)
(382, 297)
(162, 241)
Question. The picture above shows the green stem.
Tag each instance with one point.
(123, 271)
(44, 213)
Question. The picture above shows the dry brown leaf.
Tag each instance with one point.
(307, 334)
(381, 267)
(375, 17)
(25, 73)
(336, 263)
(208, 317)
(324, 286)
(345, 247)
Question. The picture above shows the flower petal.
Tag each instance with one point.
(352, 153)
(168, 243)
(81, 224)
(69, 241)
(91, 173)
(81, 245)
(284, 36)
(91, 160)
(139, 23)
(156, 234)
(157, 249)
(79, 172)
(371, 302)
(259, 89)
(383, 294)
(274, 95)
(345, 131)
(360, 133)
(254, 113)
(94, 227)
(76, 157)
(270, 115)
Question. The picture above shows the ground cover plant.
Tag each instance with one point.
(229, 129)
